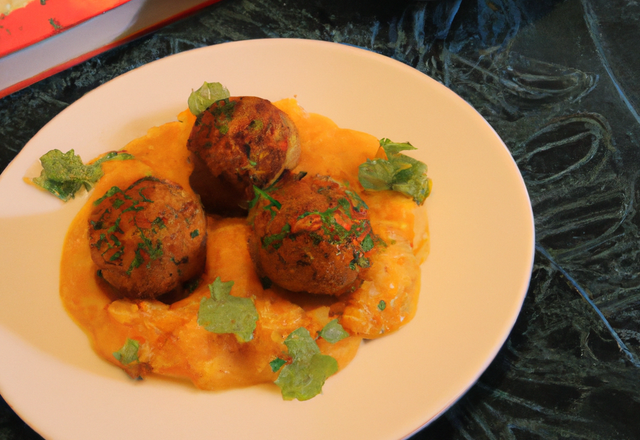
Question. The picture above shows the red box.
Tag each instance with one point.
(40, 19)
(47, 36)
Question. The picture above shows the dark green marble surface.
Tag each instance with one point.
(558, 81)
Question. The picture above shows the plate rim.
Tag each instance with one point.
(354, 50)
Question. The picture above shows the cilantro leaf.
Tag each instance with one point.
(128, 353)
(64, 174)
(114, 155)
(333, 332)
(201, 99)
(224, 313)
(276, 364)
(304, 377)
(398, 172)
(273, 203)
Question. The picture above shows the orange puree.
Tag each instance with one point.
(171, 341)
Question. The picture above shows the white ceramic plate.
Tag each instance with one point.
(474, 281)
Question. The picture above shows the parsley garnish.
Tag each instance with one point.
(110, 193)
(276, 364)
(64, 174)
(304, 377)
(275, 240)
(201, 99)
(224, 313)
(273, 203)
(398, 172)
(333, 332)
(128, 353)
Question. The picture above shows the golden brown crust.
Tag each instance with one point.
(241, 142)
(149, 238)
(311, 235)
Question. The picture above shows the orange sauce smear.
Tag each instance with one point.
(171, 341)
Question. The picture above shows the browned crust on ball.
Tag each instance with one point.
(243, 141)
(317, 241)
(149, 238)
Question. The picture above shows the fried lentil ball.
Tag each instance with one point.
(149, 238)
(238, 143)
(311, 234)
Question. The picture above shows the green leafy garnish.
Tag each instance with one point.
(275, 240)
(201, 99)
(224, 313)
(276, 364)
(64, 174)
(333, 332)
(304, 377)
(398, 172)
(128, 353)
(113, 155)
(382, 305)
(273, 203)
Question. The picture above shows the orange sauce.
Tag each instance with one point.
(171, 341)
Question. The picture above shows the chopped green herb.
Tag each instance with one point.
(367, 243)
(111, 192)
(128, 353)
(114, 155)
(273, 203)
(142, 196)
(333, 332)
(398, 172)
(201, 99)
(115, 227)
(382, 305)
(275, 240)
(64, 174)
(304, 377)
(191, 285)
(159, 222)
(147, 245)
(137, 261)
(134, 207)
(256, 124)
(276, 364)
(359, 260)
(224, 313)
(194, 233)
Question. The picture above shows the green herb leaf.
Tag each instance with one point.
(114, 155)
(201, 99)
(224, 313)
(276, 364)
(398, 172)
(304, 377)
(273, 203)
(382, 305)
(128, 353)
(333, 332)
(64, 174)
